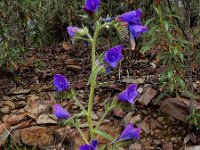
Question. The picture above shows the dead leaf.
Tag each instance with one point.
(66, 46)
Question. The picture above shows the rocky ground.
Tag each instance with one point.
(28, 95)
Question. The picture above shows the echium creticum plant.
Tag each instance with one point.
(108, 60)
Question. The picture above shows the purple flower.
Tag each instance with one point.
(129, 94)
(91, 6)
(136, 30)
(108, 19)
(92, 146)
(72, 30)
(114, 55)
(60, 82)
(130, 133)
(60, 112)
(107, 69)
(131, 17)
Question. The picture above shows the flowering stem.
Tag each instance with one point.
(82, 135)
(93, 81)
(108, 109)
(80, 105)
(102, 118)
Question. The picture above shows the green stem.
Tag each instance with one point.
(82, 135)
(102, 118)
(80, 105)
(93, 81)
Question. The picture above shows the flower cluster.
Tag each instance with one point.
(92, 146)
(133, 20)
(111, 58)
(91, 6)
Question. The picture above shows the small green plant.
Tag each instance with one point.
(194, 118)
(39, 65)
(166, 37)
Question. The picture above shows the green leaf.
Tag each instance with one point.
(105, 135)
(166, 25)
(103, 147)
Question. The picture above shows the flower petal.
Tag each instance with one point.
(60, 112)
(60, 82)
(114, 55)
(129, 94)
(72, 30)
(136, 30)
(130, 133)
(91, 6)
(131, 17)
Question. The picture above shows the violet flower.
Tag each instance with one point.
(136, 30)
(91, 6)
(129, 94)
(92, 146)
(130, 133)
(72, 30)
(133, 17)
(60, 82)
(108, 19)
(60, 112)
(114, 55)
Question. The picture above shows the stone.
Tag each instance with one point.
(38, 107)
(21, 91)
(175, 108)
(46, 119)
(63, 134)
(118, 112)
(15, 138)
(94, 116)
(136, 119)
(148, 94)
(21, 125)
(15, 119)
(193, 148)
(37, 136)
(5, 110)
(135, 146)
(160, 119)
(10, 103)
(155, 124)
(127, 118)
(156, 142)
(131, 80)
(168, 146)
(144, 126)
(140, 90)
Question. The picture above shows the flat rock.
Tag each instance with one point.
(37, 136)
(131, 80)
(135, 146)
(175, 108)
(193, 148)
(144, 126)
(9, 103)
(168, 146)
(21, 91)
(46, 119)
(5, 110)
(148, 94)
(63, 134)
(15, 119)
(118, 112)
(38, 107)
(136, 119)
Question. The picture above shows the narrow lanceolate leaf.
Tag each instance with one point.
(105, 135)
